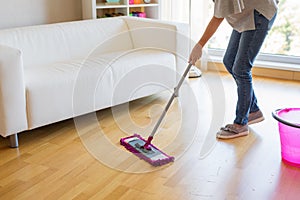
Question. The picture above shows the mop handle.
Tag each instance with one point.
(170, 101)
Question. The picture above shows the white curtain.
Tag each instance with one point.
(175, 10)
(194, 12)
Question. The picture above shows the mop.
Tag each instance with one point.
(143, 148)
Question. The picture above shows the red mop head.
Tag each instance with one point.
(145, 150)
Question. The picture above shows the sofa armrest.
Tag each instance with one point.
(12, 92)
(169, 36)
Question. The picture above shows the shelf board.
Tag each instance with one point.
(103, 5)
(143, 5)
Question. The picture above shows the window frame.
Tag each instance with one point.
(283, 59)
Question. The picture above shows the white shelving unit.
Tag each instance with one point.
(92, 9)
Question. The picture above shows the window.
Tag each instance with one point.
(282, 44)
(283, 41)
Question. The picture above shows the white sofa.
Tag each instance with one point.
(54, 72)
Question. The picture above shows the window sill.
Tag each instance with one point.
(262, 68)
(264, 64)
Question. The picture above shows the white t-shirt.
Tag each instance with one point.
(240, 13)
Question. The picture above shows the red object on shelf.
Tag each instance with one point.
(131, 2)
(142, 14)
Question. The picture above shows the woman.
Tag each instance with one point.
(251, 20)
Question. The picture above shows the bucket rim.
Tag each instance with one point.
(280, 119)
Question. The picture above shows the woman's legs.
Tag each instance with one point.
(229, 61)
(239, 57)
(231, 50)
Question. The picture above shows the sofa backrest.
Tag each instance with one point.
(103, 35)
(46, 44)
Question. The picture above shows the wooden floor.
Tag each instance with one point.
(82, 158)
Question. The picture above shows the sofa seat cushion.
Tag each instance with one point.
(66, 89)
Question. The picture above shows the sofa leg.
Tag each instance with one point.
(14, 143)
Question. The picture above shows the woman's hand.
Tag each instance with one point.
(195, 54)
(208, 33)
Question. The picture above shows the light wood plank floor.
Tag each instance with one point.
(82, 158)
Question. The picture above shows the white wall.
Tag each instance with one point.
(15, 13)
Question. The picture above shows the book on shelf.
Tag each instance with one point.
(112, 3)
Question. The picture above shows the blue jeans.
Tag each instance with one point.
(238, 59)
